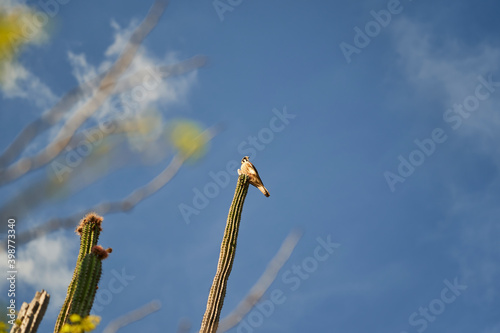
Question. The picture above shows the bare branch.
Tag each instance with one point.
(264, 282)
(47, 120)
(83, 91)
(124, 205)
(132, 317)
(106, 87)
(184, 326)
(164, 72)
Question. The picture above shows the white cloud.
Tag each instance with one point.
(135, 96)
(449, 62)
(447, 69)
(122, 36)
(47, 263)
(21, 83)
(81, 69)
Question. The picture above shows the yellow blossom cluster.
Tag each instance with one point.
(79, 325)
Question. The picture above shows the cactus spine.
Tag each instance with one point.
(89, 230)
(227, 251)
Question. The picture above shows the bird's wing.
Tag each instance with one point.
(253, 170)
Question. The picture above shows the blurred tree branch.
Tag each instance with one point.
(83, 91)
(132, 317)
(105, 88)
(93, 93)
(262, 285)
(124, 205)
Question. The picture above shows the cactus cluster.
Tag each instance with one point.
(83, 285)
(74, 315)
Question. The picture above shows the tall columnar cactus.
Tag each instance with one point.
(226, 258)
(88, 278)
(89, 230)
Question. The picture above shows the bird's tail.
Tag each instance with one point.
(264, 191)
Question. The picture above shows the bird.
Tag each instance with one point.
(249, 169)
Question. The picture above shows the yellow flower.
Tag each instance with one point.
(79, 325)
(67, 328)
(75, 319)
(3, 327)
(186, 136)
(18, 26)
(11, 36)
(89, 323)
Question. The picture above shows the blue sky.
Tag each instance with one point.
(353, 123)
